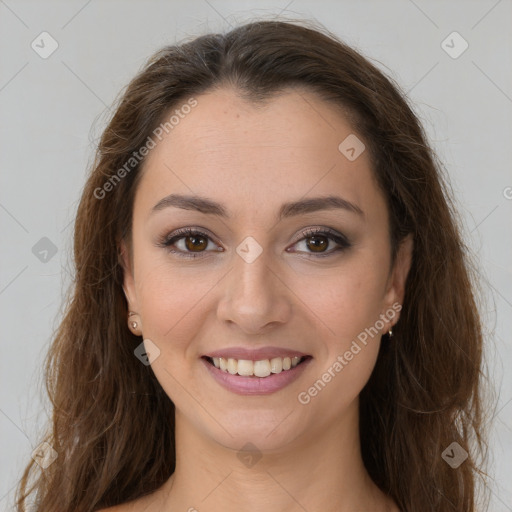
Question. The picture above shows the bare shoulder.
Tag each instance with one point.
(137, 505)
(145, 503)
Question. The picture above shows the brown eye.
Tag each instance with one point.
(321, 242)
(189, 243)
(196, 243)
(317, 243)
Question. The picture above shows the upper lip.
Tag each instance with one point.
(255, 354)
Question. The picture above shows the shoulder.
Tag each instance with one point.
(137, 505)
(131, 506)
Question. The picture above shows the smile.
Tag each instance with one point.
(262, 368)
(258, 377)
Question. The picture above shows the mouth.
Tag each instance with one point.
(260, 369)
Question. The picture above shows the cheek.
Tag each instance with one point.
(172, 303)
(346, 300)
(349, 305)
(173, 311)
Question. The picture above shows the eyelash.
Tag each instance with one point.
(167, 241)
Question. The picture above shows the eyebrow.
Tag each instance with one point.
(290, 209)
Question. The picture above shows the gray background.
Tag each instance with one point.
(53, 111)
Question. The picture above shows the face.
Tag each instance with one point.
(264, 265)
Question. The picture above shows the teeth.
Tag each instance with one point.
(232, 366)
(276, 365)
(262, 368)
(245, 367)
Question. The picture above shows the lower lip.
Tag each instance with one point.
(256, 385)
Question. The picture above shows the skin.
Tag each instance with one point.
(252, 159)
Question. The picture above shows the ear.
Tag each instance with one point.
(395, 291)
(128, 277)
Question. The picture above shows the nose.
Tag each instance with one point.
(254, 296)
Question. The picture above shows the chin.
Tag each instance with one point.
(266, 431)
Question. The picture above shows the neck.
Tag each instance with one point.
(323, 472)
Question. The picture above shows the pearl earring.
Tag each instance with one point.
(133, 323)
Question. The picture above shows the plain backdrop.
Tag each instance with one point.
(53, 110)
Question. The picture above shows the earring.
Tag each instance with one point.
(390, 333)
(132, 323)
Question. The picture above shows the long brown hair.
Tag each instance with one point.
(113, 425)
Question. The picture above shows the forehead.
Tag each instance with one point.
(286, 148)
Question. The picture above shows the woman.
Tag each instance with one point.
(273, 307)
